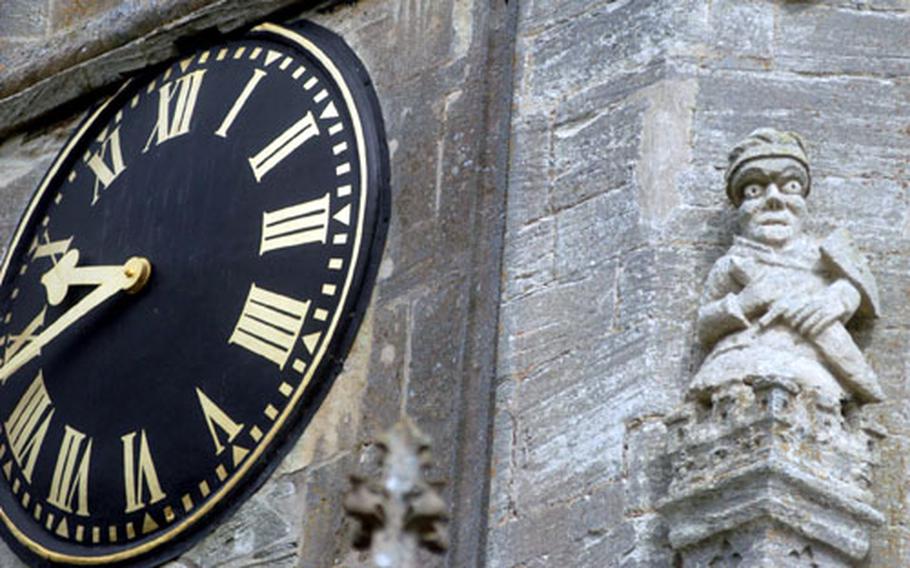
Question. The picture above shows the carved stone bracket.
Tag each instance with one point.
(769, 474)
(400, 511)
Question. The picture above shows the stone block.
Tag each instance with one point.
(742, 32)
(529, 259)
(23, 18)
(68, 13)
(600, 228)
(530, 172)
(595, 153)
(834, 41)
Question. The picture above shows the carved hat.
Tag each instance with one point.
(765, 143)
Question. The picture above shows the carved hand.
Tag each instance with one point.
(810, 315)
(758, 295)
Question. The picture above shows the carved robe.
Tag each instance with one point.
(742, 348)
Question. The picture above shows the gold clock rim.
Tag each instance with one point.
(268, 438)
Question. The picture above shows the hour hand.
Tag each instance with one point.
(65, 273)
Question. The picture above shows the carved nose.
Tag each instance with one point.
(773, 197)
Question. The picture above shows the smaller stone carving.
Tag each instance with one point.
(771, 456)
(776, 303)
(402, 510)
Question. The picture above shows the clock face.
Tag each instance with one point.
(181, 292)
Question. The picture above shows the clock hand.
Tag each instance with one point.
(65, 273)
(130, 277)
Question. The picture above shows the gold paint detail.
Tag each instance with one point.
(15, 343)
(139, 473)
(204, 489)
(310, 83)
(285, 389)
(176, 121)
(299, 366)
(217, 420)
(344, 190)
(251, 83)
(71, 473)
(71, 178)
(203, 58)
(17, 485)
(343, 169)
(63, 529)
(304, 223)
(329, 289)
(311, 341)
(80, 533)
(272, 56)
(337, 149)
(130, 531)
(336, 263)
(238, 453)
(330, 111)
(269, 324)
(239, 53)
(148, 524)
(169, 515)
(106, 163)
(26, 499)
(49, 521)
(271, 412)
(187, 503)
(185, 64)
(255, 53)
(96, 535)
(112, 533)
(320, 96)
(221, 472)
(298, 72)
(336, 129)
(321, 315)
(255, 434)
(27, 427)
(343, 215)
(221, 55)
(38, 511)
(340, 239)
(285, 143)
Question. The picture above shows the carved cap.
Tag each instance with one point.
(765, 143)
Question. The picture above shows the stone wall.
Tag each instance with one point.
(624, 112)
(442, 69)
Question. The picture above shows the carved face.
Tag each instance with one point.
(773, 202)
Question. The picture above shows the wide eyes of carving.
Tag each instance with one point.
(792, 187)
(753, 190)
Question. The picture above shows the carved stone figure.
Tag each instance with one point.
(776, 303)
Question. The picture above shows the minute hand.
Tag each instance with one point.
(133, 273)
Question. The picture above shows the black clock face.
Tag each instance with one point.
(180, 293)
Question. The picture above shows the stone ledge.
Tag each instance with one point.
(77, 63)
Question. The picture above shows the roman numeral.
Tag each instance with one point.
(300, 224)
(15, 343)
(258, 74)
(174, 120)
(106, 172)
(139, 473)
(28, 424)
(218, 421)
(279, 148)
(71, 473)
(270, 324)
(51, 249)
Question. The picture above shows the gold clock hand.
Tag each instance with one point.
(130, 277)
(65, 273)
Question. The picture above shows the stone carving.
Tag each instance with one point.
(771, 456)
(401, 510)
(777, 301)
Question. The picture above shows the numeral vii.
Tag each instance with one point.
(270, 324)
(176, 103)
